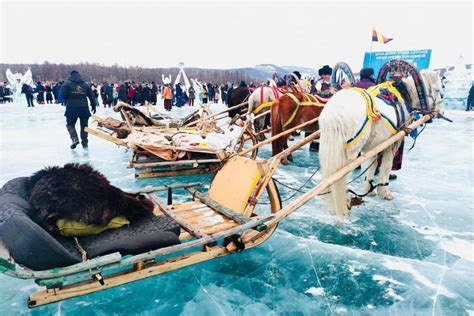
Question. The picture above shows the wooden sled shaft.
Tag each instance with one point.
(218, 113)
(271, 139)
(58, 276)
(164, 188)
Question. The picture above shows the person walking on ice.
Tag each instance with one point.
(75, 92)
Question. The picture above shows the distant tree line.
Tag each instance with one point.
(99, 73)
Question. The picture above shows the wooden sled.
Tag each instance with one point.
(147, 162)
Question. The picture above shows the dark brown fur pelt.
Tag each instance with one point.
(78, 192)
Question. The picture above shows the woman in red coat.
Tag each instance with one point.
(131, 94)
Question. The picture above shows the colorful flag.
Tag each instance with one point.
(378, 37)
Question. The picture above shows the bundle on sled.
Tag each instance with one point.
(41, 215)
(198, 147)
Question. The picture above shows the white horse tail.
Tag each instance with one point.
(332, 157)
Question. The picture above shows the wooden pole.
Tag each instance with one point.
(218, 113)
(292, 148)
(269, 140)
(164, 188)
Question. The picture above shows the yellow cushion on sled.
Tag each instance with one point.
(71, 228)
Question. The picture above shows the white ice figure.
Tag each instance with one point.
(458, 81)
(166, 80)
(17, 80)
(182, 73)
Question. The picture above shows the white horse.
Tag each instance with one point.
(343, 118)
(261, 95)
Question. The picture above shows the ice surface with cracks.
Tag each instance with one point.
(410, 255)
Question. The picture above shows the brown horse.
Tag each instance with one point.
(289, 111)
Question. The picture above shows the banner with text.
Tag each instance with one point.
(419, 58)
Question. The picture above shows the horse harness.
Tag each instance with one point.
(308, 100)
(390, 96)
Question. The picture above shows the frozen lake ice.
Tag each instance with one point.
(412, 255)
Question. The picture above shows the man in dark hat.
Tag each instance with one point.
(75, 92)
(366, 78)
(323, 85)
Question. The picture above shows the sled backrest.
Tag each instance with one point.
(235, 182)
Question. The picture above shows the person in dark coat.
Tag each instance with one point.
(323, 85)
(56, 88)
(153, 93)
(75, 92)
(28, 91)
(103, 96)
(211, 92)
(49, 94)
(178, 94)
(109, 94)
(228, 99)
(2, 93)
(40, 90)
(470, 99)
(123, 93)
(191, 95)
(223, 93)
(366, 78)
(145, 94)
(238, 95)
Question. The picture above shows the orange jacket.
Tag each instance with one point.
(167, 94)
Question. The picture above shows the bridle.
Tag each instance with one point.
(433, 96)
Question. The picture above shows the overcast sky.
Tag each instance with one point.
(230, 34)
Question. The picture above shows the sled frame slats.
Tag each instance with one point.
(183, 223)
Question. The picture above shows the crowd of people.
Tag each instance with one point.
(134, 93)
(139, 93)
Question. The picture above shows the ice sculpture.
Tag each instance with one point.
(16, 81)
(182, 73)
(457, 82)
(166, 80)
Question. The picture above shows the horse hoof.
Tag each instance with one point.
(285, 162)
(356, 201)
(291, 139)
(290, 158)
(388, 196)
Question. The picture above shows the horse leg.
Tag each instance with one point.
(259, 126)
(370, 176)
(284, 140)
(385, 167)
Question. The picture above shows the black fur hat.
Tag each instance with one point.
(326, 70)
(366, 73)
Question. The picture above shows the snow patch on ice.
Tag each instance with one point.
(405, 267)
(315, 291)
(353, 271)
(459, 247)
(340, 310)
(437, 231)
(383, 279)
(391, 293)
